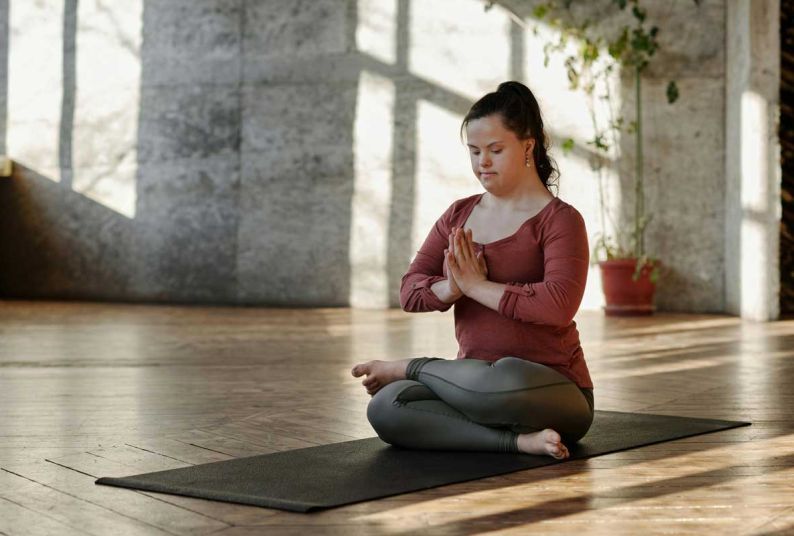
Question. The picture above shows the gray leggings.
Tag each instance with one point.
(472, 404)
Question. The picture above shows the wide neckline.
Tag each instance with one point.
(515, 233)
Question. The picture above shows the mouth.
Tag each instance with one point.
(487, 174)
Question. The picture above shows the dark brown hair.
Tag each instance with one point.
(520, 113)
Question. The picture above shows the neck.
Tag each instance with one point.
(526, 194)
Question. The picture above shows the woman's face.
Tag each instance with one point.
(497, 156)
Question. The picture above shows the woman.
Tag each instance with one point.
(514, 261)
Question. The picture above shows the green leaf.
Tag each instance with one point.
(573, 77)
(618, 46)
(589, 52)
(672, 92)
(654, 277)
(567, 145)
(598, 142)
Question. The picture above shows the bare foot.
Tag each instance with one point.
(380, 373)
(544, 442)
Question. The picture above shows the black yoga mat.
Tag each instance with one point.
(325, 476)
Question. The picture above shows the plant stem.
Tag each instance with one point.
(639, 207)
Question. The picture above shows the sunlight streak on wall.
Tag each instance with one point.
(443, 169)
(376, 33)
(758, 257)
(371, 203)
(108, 101)
(457, 46)
(34, 85)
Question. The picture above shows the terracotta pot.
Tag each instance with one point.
(625, 297)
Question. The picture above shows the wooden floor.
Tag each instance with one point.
(89, 390)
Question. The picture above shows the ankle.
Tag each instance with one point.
(416, 364)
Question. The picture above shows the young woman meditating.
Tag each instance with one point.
(513, 260)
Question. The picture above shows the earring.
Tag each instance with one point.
(527, 163)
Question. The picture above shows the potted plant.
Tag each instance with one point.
(628, 273)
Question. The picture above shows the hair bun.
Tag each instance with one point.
(511, 86)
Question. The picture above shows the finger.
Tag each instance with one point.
(454, 267)
(470, 243)
(452, 261)
(461, 252)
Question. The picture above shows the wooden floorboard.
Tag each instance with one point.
(90, 390)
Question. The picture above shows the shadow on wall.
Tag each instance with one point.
(45, 248)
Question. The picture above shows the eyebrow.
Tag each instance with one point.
(493, 142)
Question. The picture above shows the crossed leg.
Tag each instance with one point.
(509, 405)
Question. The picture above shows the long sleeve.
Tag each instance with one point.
(427, 268)
(566, 258)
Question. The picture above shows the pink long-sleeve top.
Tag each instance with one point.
(544, 268)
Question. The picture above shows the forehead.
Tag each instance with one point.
(486, 130)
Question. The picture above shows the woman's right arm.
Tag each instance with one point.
(425, 286)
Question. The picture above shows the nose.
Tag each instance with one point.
(485, 161)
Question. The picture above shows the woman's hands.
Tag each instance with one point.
(453, 286)
(465, 267)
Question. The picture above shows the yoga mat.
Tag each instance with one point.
(332, 475)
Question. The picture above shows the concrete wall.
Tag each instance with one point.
(297, 153)
(192, 168)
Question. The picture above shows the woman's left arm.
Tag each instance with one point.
(555, 300)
